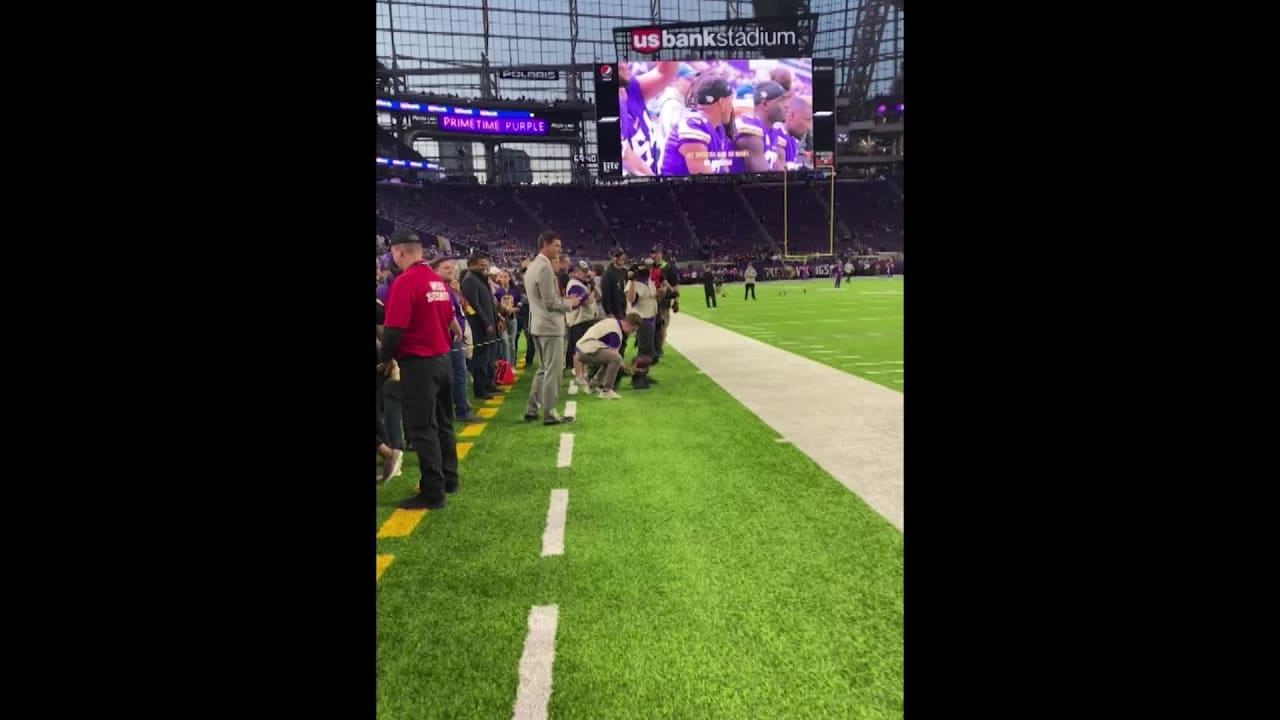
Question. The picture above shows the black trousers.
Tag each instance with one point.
(711, 297)
(750, 290)
(645, 337)
(575, 334)
(427, 391)
(381, 430)
(482, 368)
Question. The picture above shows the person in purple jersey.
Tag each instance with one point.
(753, 134)
(640, 148)
(699, 146)
(795, 124)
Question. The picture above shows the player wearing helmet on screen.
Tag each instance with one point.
(640, 148)
(754, 134)
(700, 146)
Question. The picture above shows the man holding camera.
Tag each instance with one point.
(642, 300)
(666, 284)
(582, 317)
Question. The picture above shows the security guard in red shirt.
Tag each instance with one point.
(417, 338)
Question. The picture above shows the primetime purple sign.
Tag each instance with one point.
(494, 126)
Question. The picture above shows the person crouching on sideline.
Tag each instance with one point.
(598, 348)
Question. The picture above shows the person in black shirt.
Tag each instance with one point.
(612, 296)
(709, 285)
(484, 326)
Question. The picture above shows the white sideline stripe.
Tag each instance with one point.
(882, 372)
(571, 408)
(882, 362)
(553, 536)
(781, 440)
(573, 388)
(851, 357)
(533, 694)
(826, 352)
(565, 456)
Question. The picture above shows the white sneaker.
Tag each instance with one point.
(581, 381)
(608, 394)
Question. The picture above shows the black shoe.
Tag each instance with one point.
(420, 502)
(651, 381)
(639, 384)
(558, 421)
(468, 418)
(451, 490)
(530, 417)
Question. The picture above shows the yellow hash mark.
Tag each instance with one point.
(472, 430)
(463, 449)
(383, 562)
(487, 413)
(496, 400)
(401, 523)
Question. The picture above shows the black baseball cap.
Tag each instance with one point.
(712, 88)
(404, 236)
(769, 90)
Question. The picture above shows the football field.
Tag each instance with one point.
(665, 556)
(857, 328)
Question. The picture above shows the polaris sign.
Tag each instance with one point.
(651, 40)
(529, 74)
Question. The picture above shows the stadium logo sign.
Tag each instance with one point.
(651, 40)
(567, 127)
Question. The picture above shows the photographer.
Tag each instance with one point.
(580, 318)
(611, 294)
(642, 299)
(666, 283)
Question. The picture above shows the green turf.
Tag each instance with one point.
(811, 318)
(709, 572)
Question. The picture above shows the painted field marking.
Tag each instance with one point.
(384, 561)
(882, 362)
(472, 430)
(533, 693)
(825, 352)
(496, 400)
(565, 456)
(573, 388)
(781, 440)
(487, 413)
(401, 523)
(463, 449)
(553, 536)
(881, 372)
(571, 408)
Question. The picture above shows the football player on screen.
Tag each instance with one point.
(795, 125)
(641, 152)
(700, 146)
(754, 134)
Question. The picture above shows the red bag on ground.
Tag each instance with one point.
(503, 375)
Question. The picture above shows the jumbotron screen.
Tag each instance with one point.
(715, 116)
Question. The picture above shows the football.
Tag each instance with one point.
(642, 362)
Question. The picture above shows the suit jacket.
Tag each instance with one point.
(547, 309)
(476, 290)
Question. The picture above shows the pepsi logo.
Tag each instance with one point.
(606, 71)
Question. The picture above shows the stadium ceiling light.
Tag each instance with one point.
(823, 113)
